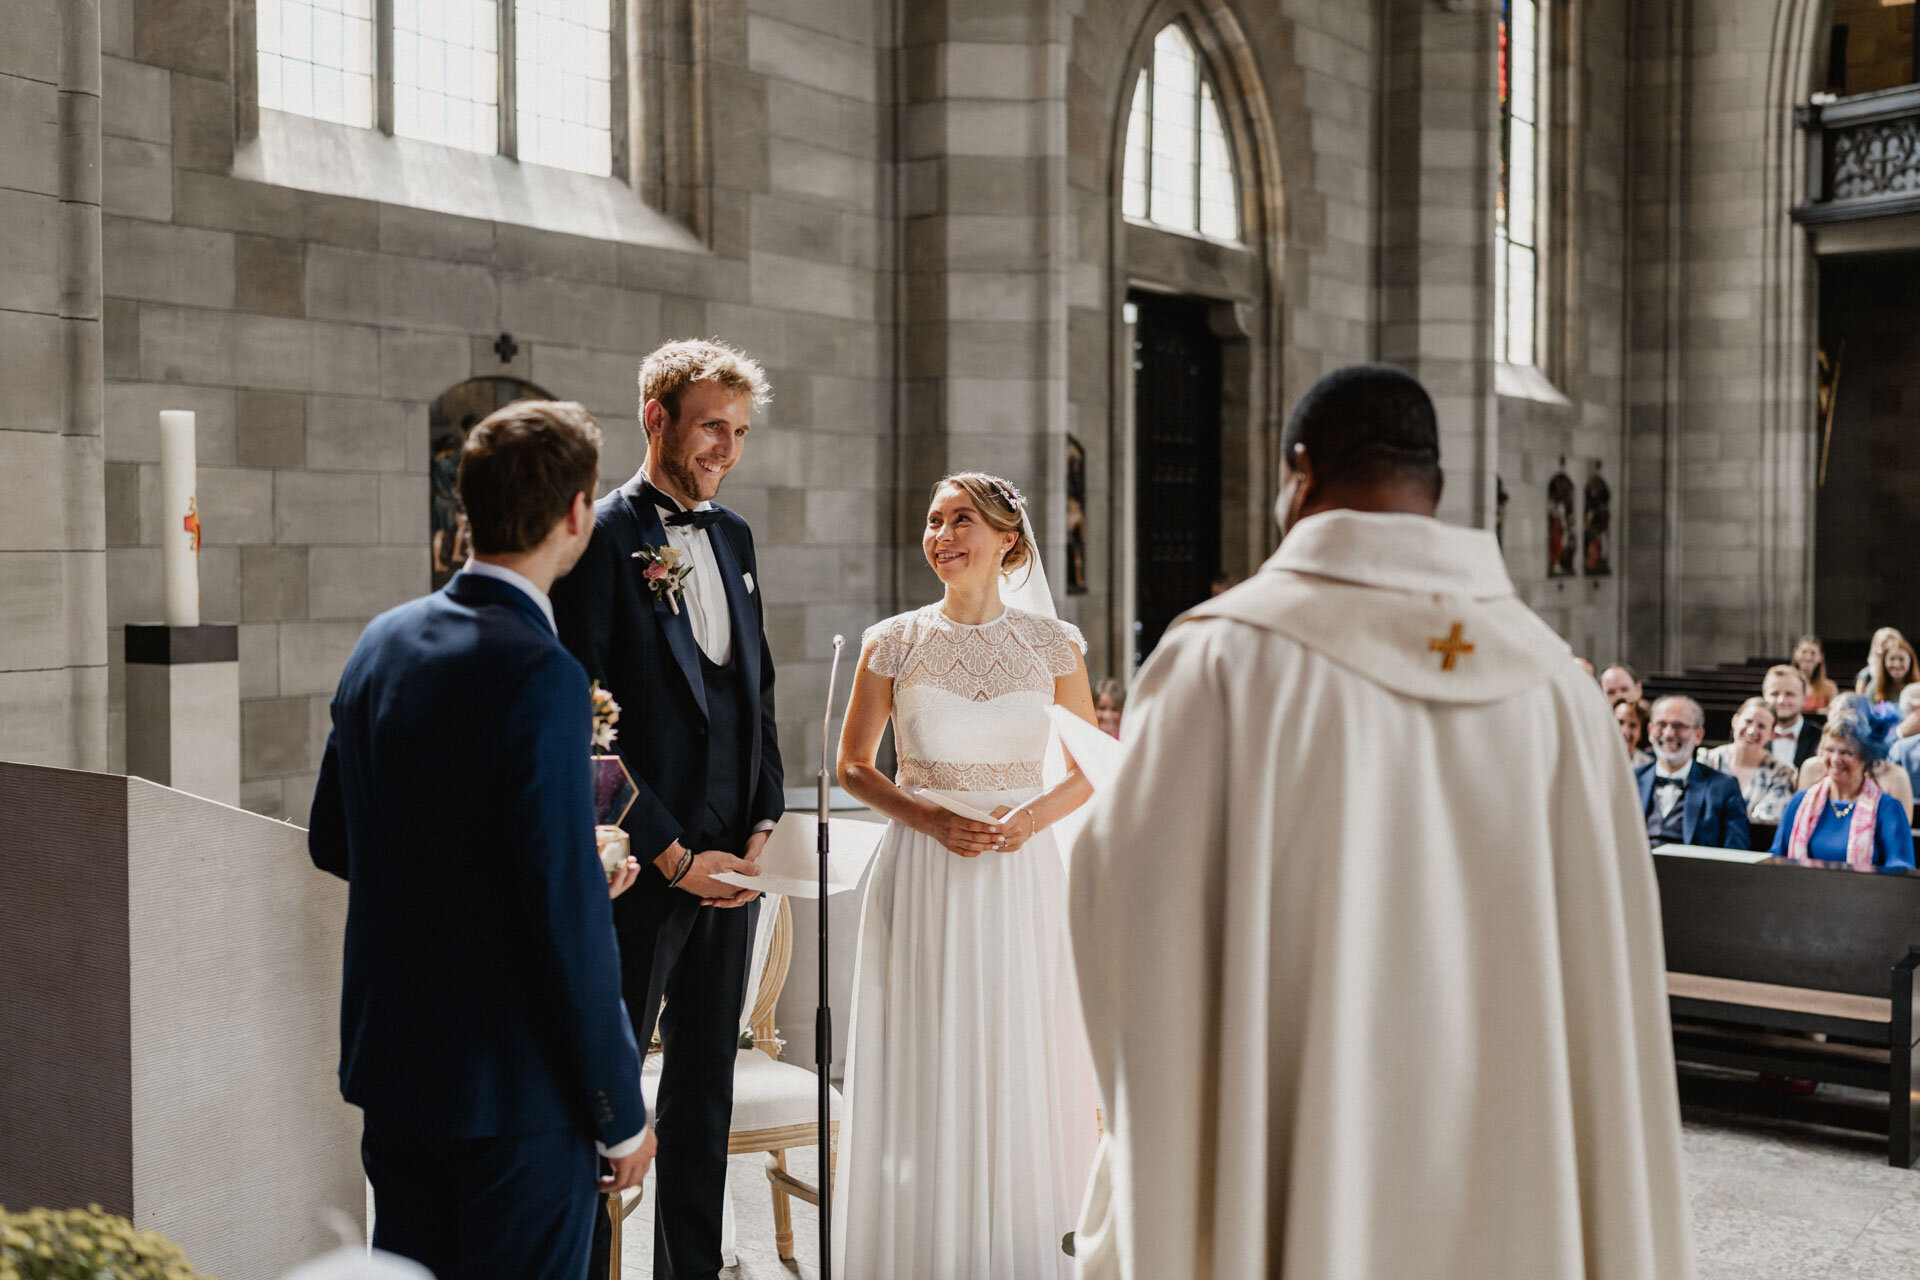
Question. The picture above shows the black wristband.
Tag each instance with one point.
(680, 872)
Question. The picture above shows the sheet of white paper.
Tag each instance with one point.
(953, 804)
(1711, 854)
(790, 863)
(1097, 754)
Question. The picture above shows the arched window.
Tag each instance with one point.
(1179, 171)
(434, 72)
(1516, 214)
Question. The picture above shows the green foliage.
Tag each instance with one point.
(85, 1244)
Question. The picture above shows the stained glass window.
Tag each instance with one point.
(316, 58)
(1516, 225)
(1178, 168)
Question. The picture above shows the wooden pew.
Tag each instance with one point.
(1761, 953)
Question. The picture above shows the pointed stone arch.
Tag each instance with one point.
(1241, 282)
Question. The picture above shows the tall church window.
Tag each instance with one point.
(1516, 231)
(446, 72)
(1178, 170)
(564, 59)
(316, 58)
(530, 79)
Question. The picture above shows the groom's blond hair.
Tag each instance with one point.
(672, 368)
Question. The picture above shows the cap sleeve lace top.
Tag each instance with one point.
(970, 702)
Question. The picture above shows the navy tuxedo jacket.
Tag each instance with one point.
(1714, 812)
(482, 977)
(645, 655)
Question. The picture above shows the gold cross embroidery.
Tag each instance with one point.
(1450, 646)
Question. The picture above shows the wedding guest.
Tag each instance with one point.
(1892, 778)
(1767, 783)
(1906, 751)
(1631, 715)
(481, 1027)
(1882, 639)
(1109, 700)
(1796, 737)
(1890, 668)
(1618, 681)
(1846, 816)
(1684, 801)
(1810, 660)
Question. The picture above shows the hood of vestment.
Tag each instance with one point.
(1420, 607)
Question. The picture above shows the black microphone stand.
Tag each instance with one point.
(823, 1017)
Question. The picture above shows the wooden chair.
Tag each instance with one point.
(775, 1103)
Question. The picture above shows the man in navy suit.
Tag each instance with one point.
(482, 1031)
(665, 611)
(1686, 802)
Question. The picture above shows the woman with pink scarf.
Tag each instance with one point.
(1845, 817)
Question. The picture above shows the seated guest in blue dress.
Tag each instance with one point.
(1845, 816)
(1686, 802)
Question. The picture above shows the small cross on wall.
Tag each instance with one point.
(1450, 646)
(506, 348)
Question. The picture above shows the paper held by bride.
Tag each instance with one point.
(790, 864)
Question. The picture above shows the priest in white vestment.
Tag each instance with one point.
(1366, 927)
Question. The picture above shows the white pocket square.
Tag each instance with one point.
(749, 580)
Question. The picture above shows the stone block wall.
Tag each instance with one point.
(310, 327)
(53, 660)
(1720, 427)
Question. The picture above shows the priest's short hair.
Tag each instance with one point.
(1364, 424)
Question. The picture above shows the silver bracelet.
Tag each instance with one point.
(680, 872)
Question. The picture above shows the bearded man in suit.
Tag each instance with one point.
(665, 611)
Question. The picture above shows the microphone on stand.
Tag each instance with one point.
(823, 1017)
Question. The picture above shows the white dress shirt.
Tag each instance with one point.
(506, 575)
(705, 596)
(503, 574)
(1786, 737)
(1667, 797)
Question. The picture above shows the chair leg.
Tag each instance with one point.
(619, 1223)
(782, 1211)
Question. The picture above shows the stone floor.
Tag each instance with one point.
(1772, 1199)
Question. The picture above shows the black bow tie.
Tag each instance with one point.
(695, 520)
(1678, 783)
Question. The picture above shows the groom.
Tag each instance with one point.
(664, 610)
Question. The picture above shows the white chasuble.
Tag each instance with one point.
(1369, 943)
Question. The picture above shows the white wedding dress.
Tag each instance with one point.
(970, 1124)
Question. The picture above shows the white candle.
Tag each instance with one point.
(179, 519)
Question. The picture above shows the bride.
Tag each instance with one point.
(970, 1107)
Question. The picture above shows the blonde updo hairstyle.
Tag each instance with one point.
(1000, 505)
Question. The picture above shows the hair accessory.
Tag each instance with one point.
(1007, 493)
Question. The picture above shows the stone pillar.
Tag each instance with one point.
(985, 246)
(183, 708)
(1440, 137)
(53, 633)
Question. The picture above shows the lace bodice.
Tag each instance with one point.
(970, 702)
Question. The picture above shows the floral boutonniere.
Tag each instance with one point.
(606, 714)
(666, 573)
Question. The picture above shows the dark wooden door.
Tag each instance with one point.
(1176, 371)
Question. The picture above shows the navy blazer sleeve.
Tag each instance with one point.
(1731, 808)
(568, 916)
(583, 603)
(769, 797)
(327, 825)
